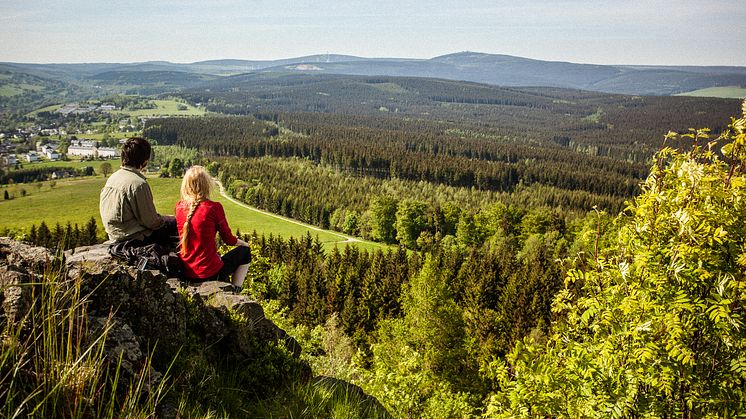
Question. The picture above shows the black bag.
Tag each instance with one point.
(148, 256)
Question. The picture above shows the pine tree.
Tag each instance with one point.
(32, 237)
(43, 235)
(91, 232)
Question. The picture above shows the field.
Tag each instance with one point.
(9, 90)
(76, 201)
(76, 164)
(13, 89)
(727, 92)
(100, 136)
(50, 108)
(165, 108)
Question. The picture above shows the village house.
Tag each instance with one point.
(10, 159)
(32, 157)
(107, 152)
(87, 148)
(82, 151)
(51, 154)
(46, 147)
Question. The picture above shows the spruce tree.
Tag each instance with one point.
(91, 232)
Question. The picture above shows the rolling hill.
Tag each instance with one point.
(495, 69)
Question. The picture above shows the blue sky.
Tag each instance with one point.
(683, 32)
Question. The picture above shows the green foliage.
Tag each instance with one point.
(105, 169)
(411, 221)
(319, 399)
(383, 216)
(420, 360)
(658, 326)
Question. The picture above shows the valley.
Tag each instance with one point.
(429, 240)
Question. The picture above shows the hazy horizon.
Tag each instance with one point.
(622, 32)
(358, 56)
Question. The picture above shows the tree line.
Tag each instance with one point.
(61, 237)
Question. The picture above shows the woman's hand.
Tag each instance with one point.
(240, 242)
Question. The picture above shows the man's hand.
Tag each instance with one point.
(240, 242)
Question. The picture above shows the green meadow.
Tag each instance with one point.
(100, 135)
(76, 201)
(10, 90)
(76, 164)
(165, 107)
(726, 92)
(50, 108)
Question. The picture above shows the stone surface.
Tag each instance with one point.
(208, 289)
(240, 304)
(122, 344)
(95, 253)
(141, 310)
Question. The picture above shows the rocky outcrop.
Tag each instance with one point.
(142, 310)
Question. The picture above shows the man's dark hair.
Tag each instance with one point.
(135, 152)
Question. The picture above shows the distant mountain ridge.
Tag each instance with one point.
(494, 69)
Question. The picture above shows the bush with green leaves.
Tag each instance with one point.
(656, 326)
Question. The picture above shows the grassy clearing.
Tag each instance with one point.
(73, 200)
(165, 108)
(595, 117)
(76, 201)
(50, 108)
(76, 164)
(100, 135)
(727, 92)
(10, 90)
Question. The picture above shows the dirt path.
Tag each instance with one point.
(346, 239)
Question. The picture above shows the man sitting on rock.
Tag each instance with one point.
(126, 203)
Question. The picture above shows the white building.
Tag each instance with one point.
(48, 147)
(95, 152)
(31, 157)
(84, 143)
(107, 152)
(83, 151)
(51, 154)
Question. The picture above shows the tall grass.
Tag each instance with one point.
(53, 363)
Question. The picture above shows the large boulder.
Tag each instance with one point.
(21, 266)
(142, 312)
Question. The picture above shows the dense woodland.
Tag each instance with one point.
(504, 293)
(622, 127)
(641, 315)
(362, 175)
(555, 255)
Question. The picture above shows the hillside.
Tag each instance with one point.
(108, 339)
(22, 91)
(623, 127)
(495, 69)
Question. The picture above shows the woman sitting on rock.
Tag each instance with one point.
(198, 220)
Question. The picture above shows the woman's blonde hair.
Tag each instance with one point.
(195, 188)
